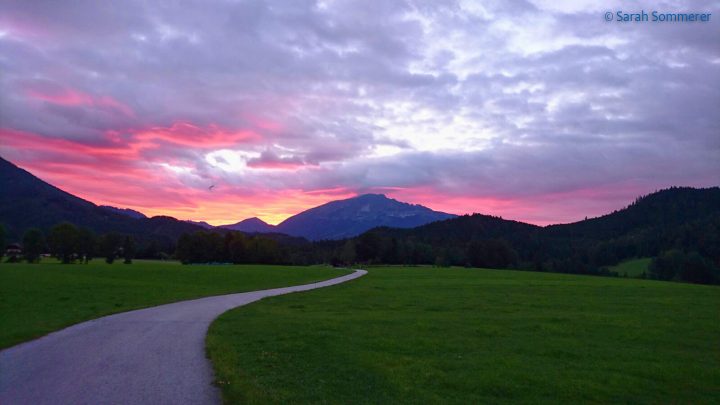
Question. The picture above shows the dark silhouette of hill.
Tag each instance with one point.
(125, 211)
(251, 225)
(26, 201)
(347, 218)
(676, 218)
(31, 202)
(201, 224)
(680, 226)
(665, 208)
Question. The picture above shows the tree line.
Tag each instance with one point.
(369, 248)
(71, 244)
(679, 228)
(682, 223)
(232, 247)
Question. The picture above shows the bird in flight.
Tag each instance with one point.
(211, 187)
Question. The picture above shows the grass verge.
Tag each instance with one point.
(420, 335)
(36, 299)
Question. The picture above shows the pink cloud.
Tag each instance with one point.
(150, 170)
(70, 97)
(114, 173)
(190, 135)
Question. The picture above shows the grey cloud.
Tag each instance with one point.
(615, 102)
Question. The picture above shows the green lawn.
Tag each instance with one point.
(469, 336)
(633, 267)
(36, 299)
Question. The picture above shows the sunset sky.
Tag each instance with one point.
(530, 110)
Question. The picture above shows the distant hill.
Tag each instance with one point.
(26, 201)
(665, 208)
(676, 218)
(251, 225)
(32, 202)
(345, 218)
(353, 216)
(201, 224)
(125, 211)
(679, 223)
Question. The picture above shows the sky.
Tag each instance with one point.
(535, 110)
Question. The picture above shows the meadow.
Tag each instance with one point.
(633, 267)
(36, 299)
(433, 335)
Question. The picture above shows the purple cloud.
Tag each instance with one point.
(514, 101)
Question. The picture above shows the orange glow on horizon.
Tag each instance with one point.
(115, 171)
(272, 209)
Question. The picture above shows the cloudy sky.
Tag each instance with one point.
(533, 110)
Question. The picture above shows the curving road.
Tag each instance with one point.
(149, 356)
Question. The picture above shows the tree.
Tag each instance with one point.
(128, 249)
(367, 247)
(667, 265)
(698, 269)
(237, 248)
(200, 247)
(210, 247)
(690, 267)
(263, 250)
(490, 253)
(184, 249)
(33, 245)
(87, 244)
(63, 242)
(347, 255)
(109, 246)
(150, 250)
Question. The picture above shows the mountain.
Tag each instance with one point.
(345, 218)
(32, 202)
(679, 224)
(681, 218)
(665, 208)
(26, 201)
(125, 211)
(251, 225)
(353, 216)
(202, 224)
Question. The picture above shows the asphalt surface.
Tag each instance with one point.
(149, 356)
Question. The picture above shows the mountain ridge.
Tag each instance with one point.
(125, 211)
(250, 225)
(682, 218)
(34, 203)
(350, 217)
(45, 205)
(682, 223)
(340, 219)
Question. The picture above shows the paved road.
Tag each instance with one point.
(149, 356)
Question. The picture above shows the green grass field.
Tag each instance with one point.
(632, 268)
(36, 299)
(468, 336)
